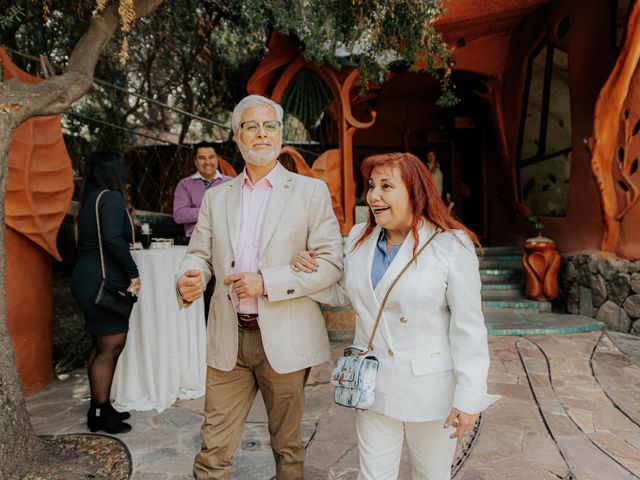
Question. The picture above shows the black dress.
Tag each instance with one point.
(119, 265)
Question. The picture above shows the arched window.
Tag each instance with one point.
(544, 154)
(305, 102)
(620, 15)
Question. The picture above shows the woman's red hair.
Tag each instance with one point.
(426, 202)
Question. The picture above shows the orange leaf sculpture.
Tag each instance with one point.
(226, 168)
(40, 183)
(326, 167)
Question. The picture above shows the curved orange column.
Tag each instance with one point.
(29, 310)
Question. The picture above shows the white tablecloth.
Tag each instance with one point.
(165, 354)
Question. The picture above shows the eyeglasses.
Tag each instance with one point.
(252, 127)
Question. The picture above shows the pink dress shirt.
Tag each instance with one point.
(254, 206)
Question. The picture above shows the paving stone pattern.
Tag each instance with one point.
(569, 410)
(589, 432)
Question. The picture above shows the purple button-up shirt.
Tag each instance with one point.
(254, 206)
(188, 198)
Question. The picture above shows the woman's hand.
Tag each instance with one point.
(305, 261)
(134, 286)
(460, 421)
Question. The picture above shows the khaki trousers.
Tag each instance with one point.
(229, 396)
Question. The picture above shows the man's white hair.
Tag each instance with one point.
(253, 101)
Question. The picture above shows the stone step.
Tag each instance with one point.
(500, 321)
(518, 304)
(501, 258)
(501, 250)
(491, 264)
(498, 295)
(503, 294)
(496, 275)
(502, 285)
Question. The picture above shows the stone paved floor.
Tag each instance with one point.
(570, 409)
(627, 344)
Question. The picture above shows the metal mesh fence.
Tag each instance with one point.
(154, 163)
(153, 170)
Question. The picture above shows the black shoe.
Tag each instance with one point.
(101, 417)
(120, 415)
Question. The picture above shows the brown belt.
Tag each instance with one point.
(248, 321)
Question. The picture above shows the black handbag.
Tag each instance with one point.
(116, 299)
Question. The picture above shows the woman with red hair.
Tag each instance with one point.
(431, 341)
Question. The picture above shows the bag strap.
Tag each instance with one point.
(133, 233)
(393, 284)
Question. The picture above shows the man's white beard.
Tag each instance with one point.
(259, 159)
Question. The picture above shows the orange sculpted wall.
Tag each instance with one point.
(614, 141)
(591, 57)
(29, 310)
(486, 55)
(629, 141)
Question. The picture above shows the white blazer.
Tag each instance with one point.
(431, 341)
(299, 216)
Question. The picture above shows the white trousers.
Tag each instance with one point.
(380, 441)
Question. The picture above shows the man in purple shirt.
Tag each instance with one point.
(189, 194)
(190, 190)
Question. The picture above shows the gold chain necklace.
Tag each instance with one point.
(389, 241)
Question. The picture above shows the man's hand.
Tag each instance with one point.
(190, 286)
(461, 421)
(246, 284)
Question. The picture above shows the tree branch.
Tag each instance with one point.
(56, 94)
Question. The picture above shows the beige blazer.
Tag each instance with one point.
(299, 217)
(432, 341)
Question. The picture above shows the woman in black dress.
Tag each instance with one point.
(108, 330)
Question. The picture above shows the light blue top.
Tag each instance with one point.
(382, 259)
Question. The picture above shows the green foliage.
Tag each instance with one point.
(447, 98)
(12, 14)
(537, 224)
(370, 35)
(197, 55)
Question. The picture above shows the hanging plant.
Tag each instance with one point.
(127, 14)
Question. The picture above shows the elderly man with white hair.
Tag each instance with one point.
(264, 331)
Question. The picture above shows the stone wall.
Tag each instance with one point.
(602, 286)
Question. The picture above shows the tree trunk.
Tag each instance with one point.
(16, 434)
(20, 448)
